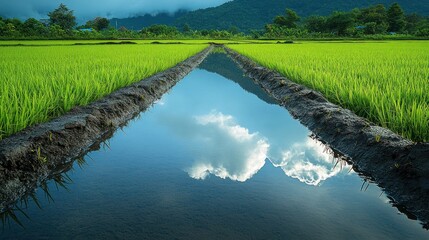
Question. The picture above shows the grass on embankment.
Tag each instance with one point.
(386, 82)
(40, 83)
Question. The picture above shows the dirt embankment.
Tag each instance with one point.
(32, 155)
(398, 165)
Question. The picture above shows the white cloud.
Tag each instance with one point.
(310, 162)
(230, 150)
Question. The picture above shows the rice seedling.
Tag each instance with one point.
(40, 83)
(386, 82)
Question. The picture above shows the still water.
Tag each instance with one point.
(213, 159)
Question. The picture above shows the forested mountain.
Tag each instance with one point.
(137, 23)
(254, 14)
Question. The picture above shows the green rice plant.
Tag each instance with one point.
(43, 82)
(386, 82)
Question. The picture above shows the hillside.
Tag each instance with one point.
(137, 23)
(254, 14)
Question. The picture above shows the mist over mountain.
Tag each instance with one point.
(85, 10)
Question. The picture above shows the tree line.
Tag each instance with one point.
(362, 23)
(373, 20)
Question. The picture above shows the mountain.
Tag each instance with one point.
(254, 14)
(223, 65)
(137, 23)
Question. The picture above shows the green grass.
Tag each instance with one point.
(40, 83)
(386, 82)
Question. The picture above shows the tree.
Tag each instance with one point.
(17, 24)
(340, 23)
(186, 28)
(280, 21)
(56, 31)
(100, 23)
(316, 24)
(377, 14)
(413, 22)
(33, 27)
(10, 30)
(233, 30)
(288, 21)
(62, 17)
(396, 18)
(159, 30)
(373, 18)
(2, 27)
(291, 18)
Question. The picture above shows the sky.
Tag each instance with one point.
(89, 9)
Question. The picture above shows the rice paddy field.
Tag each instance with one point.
(43, 82)
(386, 82)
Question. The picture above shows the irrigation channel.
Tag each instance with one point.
(215, 158)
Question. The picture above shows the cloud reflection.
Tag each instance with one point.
(309, 162)
(230, 150)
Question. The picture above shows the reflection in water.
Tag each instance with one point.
(16, 211)
(135, 189)
(310, 162)
(230, 151)
(243, 153)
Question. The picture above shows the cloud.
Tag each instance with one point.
(230, 150)
(88, 9)
(309, 162)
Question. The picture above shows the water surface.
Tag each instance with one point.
(213, 159)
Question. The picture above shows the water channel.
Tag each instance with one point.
(215, 158)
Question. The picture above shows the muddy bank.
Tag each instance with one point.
(399, 166)
(29, 157)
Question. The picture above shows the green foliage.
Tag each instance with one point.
(370, 22)
(341, 23)
(159, 31)
(186, 28)
(423, 32)
(255, 14)
(62, 17)
(396, 18)
(98, 24)
(273, 31)
(2, 28)
(384, 82)
(56, 31)
(37, 84)
(33, 27)
(291, 18)
(373, 18)
(316, 24)
(288, 21)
